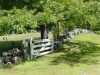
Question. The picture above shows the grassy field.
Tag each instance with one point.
(81, 56)
(15, 37)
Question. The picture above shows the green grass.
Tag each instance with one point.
(79, 57)
(16, 37)
(21, 36)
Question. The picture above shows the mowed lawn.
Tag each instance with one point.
(81, 56)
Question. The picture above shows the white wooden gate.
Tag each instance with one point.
(41, 47)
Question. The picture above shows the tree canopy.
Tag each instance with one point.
(23, 15)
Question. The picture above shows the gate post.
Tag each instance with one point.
(52, 46)
(31, 48)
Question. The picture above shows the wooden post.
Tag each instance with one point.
(52, 45)
(31, 48)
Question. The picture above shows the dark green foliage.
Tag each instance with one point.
(9, 45)
(8, 4)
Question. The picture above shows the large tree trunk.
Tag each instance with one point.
(44, 32)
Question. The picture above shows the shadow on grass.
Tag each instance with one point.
(79, 52)
(9, 66)
(73, 53)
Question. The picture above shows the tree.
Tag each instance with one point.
(41, 13)
(18, 20)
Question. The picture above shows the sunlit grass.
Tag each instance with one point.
(20, 36)
(79, 57)
(94, 38)
(15, 37)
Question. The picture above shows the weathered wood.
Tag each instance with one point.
(31, 48)
(44, 53)
(42, 41)
(41, 47)
(52, 45)
(44, 49)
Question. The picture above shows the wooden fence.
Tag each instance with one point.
(41, 47)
